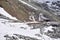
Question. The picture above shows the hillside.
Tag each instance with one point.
(22, 11)
(12, 7)
(29, 20)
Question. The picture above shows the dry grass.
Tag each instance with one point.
(13, 8)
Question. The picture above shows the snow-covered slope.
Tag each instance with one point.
(11, 28)
(15, 28)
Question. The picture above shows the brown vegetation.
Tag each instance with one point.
(13, 8)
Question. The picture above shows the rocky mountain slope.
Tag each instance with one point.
(22, 11)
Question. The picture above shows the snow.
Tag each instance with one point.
(14, 28)
(45, 0)
(11, 28)
(48, 28)
(42, 1)
(3, 12)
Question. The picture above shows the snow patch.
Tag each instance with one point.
(3, 12)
